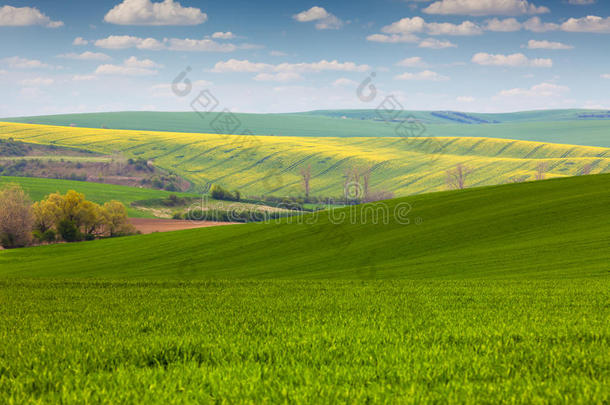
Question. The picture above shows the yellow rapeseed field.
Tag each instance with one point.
(258, 165)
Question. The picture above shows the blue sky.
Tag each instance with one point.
(281, 56)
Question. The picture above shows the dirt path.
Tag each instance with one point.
(146, 225)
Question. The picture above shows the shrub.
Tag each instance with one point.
(68, 230)
(171, 187)
(47, 236)
(10, 147)
(157, 183)
(236, 215)
(220, 193)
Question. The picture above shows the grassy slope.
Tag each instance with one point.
(556, 126)
(271, 165)
(299, 342)
(99, 193)
(549, 229)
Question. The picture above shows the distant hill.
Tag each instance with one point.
(539, 230)
(576, 127)
(453, 117)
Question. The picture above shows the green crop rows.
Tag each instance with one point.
(304, 342)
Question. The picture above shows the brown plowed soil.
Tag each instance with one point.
(146, 225)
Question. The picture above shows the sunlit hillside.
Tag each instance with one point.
(272, 165)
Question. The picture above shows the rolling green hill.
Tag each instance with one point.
(258, 165)
(576, 127)
(38, 189)
(452, 117)
(547, 229)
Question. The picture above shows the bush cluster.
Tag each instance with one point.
(11, 147)
(68, 218)
(236, 215)
(219, 193)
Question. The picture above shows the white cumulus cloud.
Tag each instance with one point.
(533, 44)
(278, 77)
(199, 45)
(514, 60)
(130, 67)
(433, 43)
(23, 16)
(589, 23)
(24, 63)
(505, 25)
(392, 39)
(539, 90)
(79, 41)
(85, 56)
(223, 35)
(426, 75)
(127, 41)
(414, 25)
(535, 24)
(324, 20)
(234, 65)
(172, 44)
(146, 12)
(414, 61)
(484, 7)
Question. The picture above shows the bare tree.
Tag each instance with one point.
(16, 218)
(306, 177)
(541, 170)
(120, 162)
(586, 170)
(456, 177)
(366, 178)
(352, 189)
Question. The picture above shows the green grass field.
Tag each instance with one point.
(38, 189)
(257, 165)
(553, 126)
(518, 342)
(488, 295)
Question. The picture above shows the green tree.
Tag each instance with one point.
(45, 215)
(92, 219)
(69, 231)
(116, 221)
